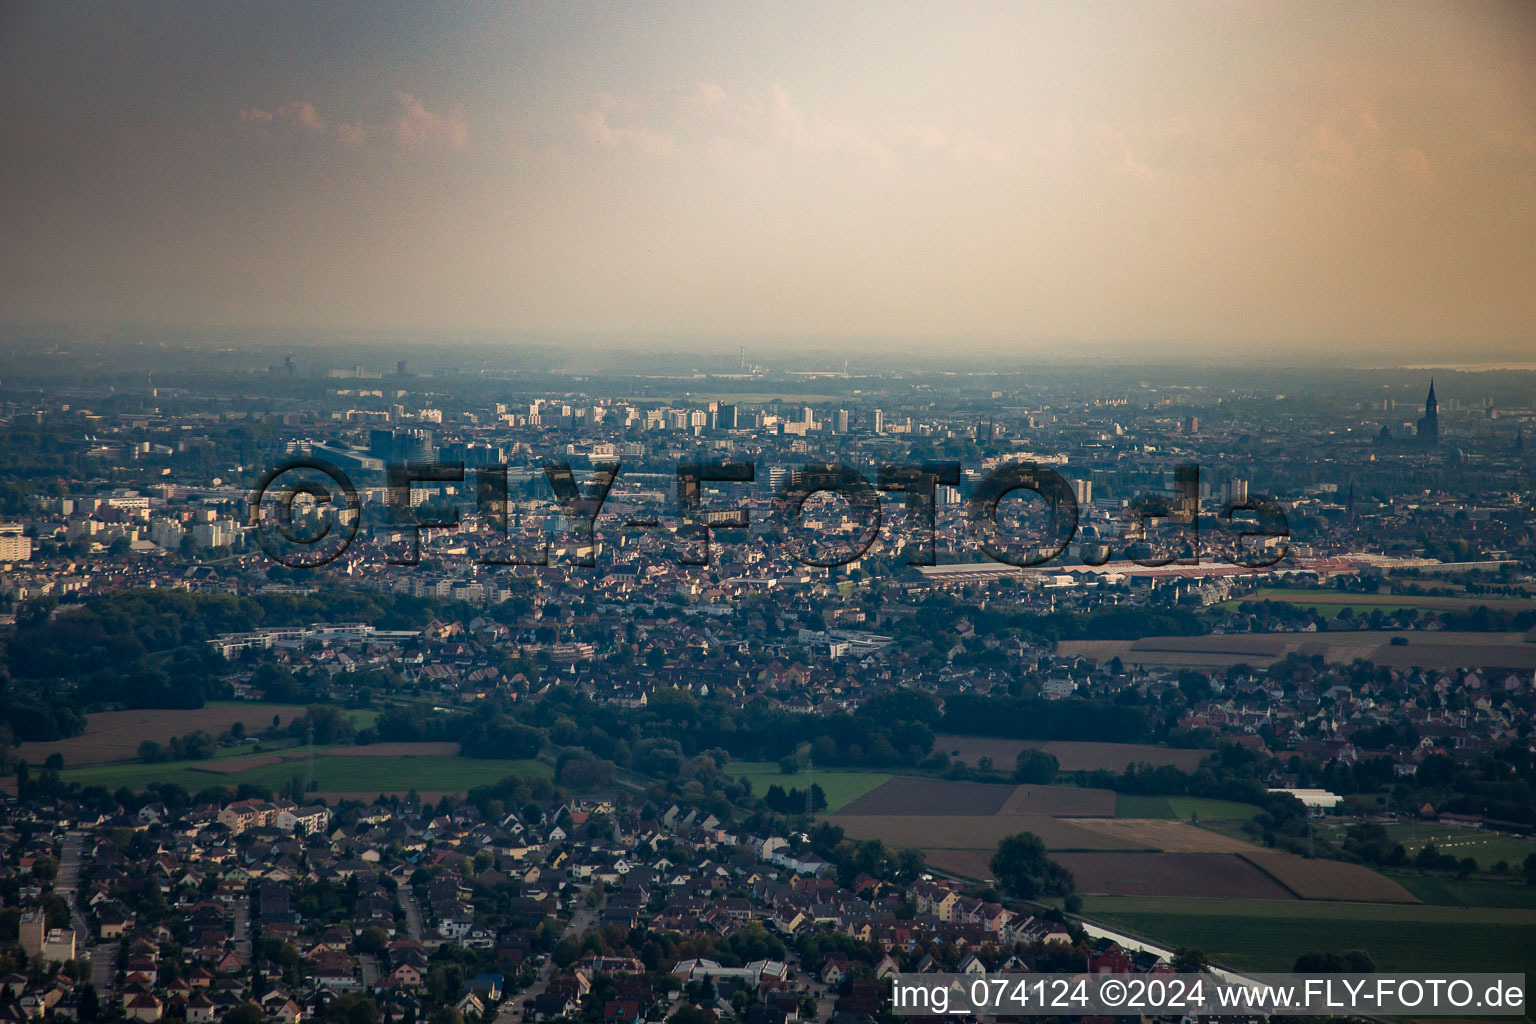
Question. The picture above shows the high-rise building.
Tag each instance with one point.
(879, 421)
(1084, 491)
(841, 421)
(413, 444)
(15, 546)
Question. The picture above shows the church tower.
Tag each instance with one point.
(1429, 426)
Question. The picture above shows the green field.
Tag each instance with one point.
(1328, 602)
(1131, 805)
(1258, 935)
(1187, 807)
(336, 774)
(1182, 807)
(840, 787)
(1487, 848)
(1450, 891)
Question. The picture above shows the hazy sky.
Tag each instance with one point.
(1297, 176)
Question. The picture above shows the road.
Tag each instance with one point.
(511, 1010)
(243, 926)
(103, 957)
(412, 913)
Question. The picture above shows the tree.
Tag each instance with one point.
(1189, 960)
(1355, 961)
(373, 940)
(1035, 768)
(245, 1013)
(1022, 868)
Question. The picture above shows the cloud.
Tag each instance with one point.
(418, 126)
(595, 126)
(298, 114)
(711, 119)
(413, 126)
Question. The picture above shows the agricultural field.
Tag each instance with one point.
(1449, 891)
(915, 796)
(973, 864)
(1424, 649)
(1164, 835)
(1268, 935)
(974, 832)
(1072, 755)
(359, 773)
(906, 795)
(1195, 808)
(840, 787)
(1329, 879)
(1185, 808)
(115, 735)
(1328, 602)
(1190, 875)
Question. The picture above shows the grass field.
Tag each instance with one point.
(1487, 848)
(349, 774)
(1449, 891)
(115, 735)
(1261, 935)
(1498, 652)
(841, 788)
(1188, 807)
(1328, 602)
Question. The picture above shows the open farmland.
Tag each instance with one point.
(116, 735)
(396, 749)
(1330, 879)
(973, 832)
(1060, 801)
(1072, 755)
(1328, 602)
(912, 796)
(356, 774)
(1424, 649)
(973, 864)
(1190, 875)
(1268, 935)
(906, 795)
(840, 787)
(1163, 834)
